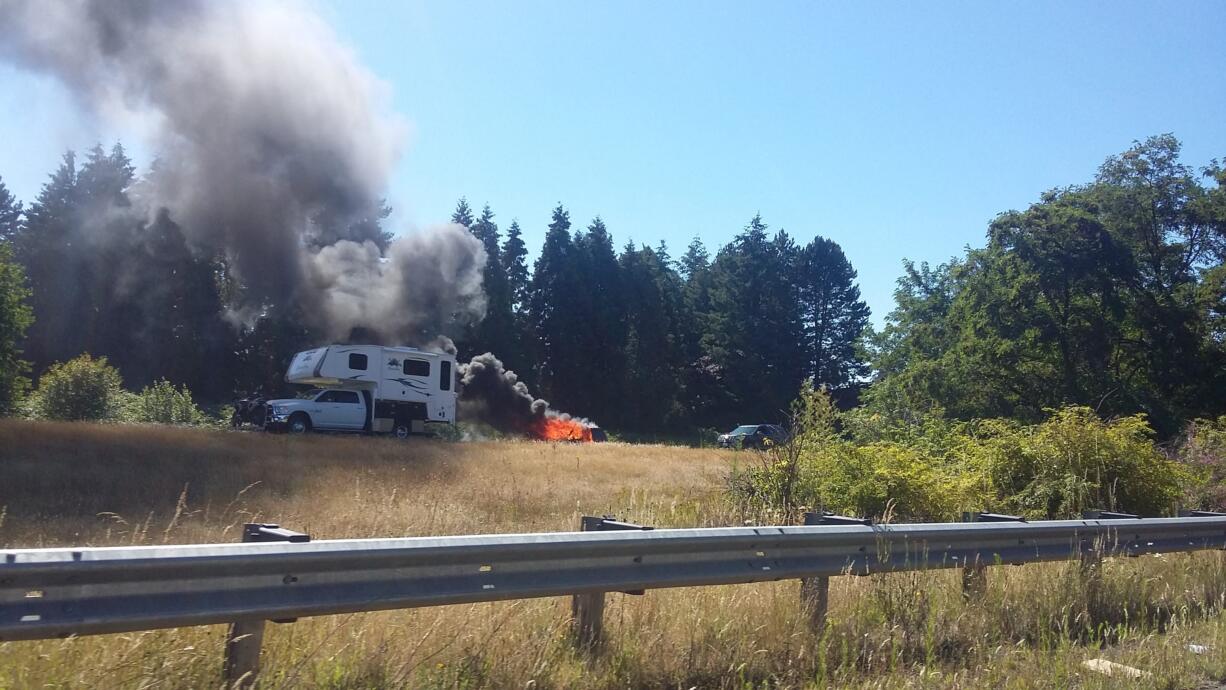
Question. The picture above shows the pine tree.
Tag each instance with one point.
(519, 355)
(556, 306)
(753, 331)
(15, 318)
(834, 316)
(603, 331)
(514, 259)
(10, 214)
(43, 247)
(496, 332)
(653, 303)
(107, 310)
(695, 267)
(463, 215)
(704, 391)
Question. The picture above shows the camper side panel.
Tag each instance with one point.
(352, 365)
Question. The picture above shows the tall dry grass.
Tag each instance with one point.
(84, 484)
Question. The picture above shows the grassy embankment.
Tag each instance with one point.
(63, 484)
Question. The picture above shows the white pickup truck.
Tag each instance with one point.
(325, 410)
(369, 388)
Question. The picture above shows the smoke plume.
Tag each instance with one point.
(419, 290)
(496, 396)
(274, 148)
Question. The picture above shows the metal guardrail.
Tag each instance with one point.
(47, 593)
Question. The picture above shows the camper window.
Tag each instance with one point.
(357, 362)
(444, 376)
(416, 367)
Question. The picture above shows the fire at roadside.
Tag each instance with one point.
(492, 393)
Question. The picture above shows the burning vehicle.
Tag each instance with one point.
(563, 428)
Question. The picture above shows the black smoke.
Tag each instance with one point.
(495, 395)
(274, 148)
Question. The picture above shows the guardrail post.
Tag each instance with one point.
(246, 637)
(587, 609)
(1091, 557)
(815, 591)
(975, 573)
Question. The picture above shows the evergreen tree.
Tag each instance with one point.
(696, 260)
(556, 306)
(603, 330)
(834, 317)
(519, 353)
(263, 349)
(695, 270)
(704, 390)
(15, 318)
(463, 215)
(139, 294)
(10, 214)
(753, 331)
(42, 247)
(108, 240)
(653, 304)
(496, 332)
(515, 260)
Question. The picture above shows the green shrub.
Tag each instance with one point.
(1075, 461)
(934, 469)
(162, 403)
(83, 388)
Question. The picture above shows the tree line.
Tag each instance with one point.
(635, 339)
(1109, 294)
(642, 341)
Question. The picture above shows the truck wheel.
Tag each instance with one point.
(299, 423)
(402, 430)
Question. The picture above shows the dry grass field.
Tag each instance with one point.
(79, 484)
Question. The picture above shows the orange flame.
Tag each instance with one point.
(558, 429)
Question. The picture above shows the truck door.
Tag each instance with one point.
(349, 413)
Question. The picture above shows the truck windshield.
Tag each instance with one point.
(743, 430)
(310, 395)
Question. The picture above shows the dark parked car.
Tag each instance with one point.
(753, 436)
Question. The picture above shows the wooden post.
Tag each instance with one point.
(243, 644)
(246, 637)
(974, 580)
(815, 591)
(587, 609)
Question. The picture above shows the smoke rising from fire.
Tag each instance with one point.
(411, 295)
(274, 148)
(497, 396)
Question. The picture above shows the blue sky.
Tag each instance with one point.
(896, 129)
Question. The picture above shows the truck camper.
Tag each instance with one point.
(369, 388)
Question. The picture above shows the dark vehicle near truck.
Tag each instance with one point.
(759, 436)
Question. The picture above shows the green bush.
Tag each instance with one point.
(892, 481)
(162, 403)
(934, 469)
(83, 388)
(1075, 461)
